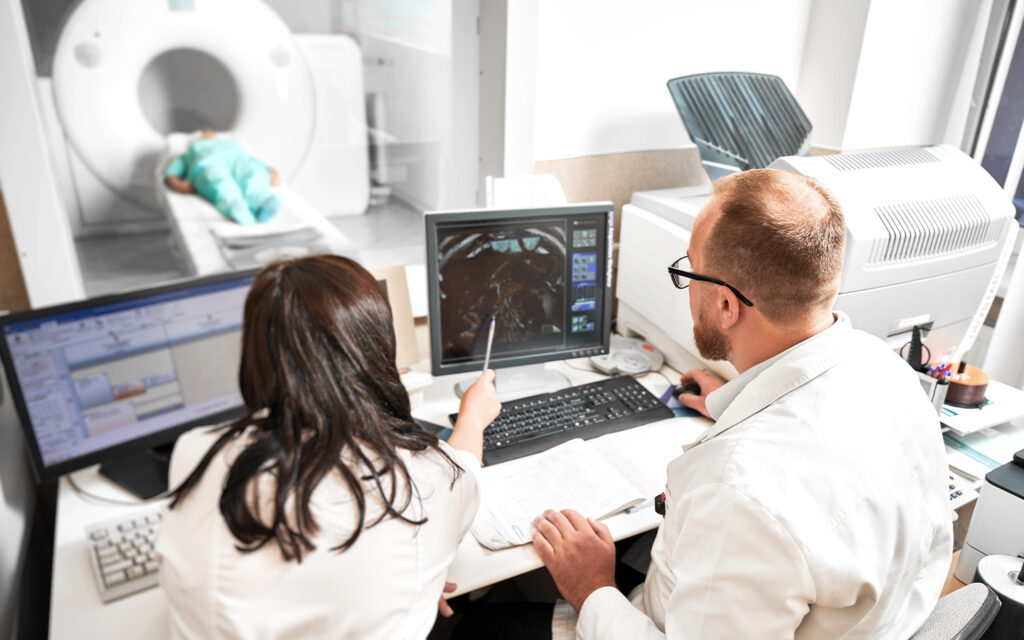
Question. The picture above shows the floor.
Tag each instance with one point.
(952, 584)
(389, 233)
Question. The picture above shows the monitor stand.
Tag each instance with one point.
(518, 382)
(143, 474)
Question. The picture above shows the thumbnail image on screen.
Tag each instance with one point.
(515, 273)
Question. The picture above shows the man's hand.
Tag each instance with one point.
(478, 409)
(443, 607)
(181, 185)
(579, 553)
(275, 179)
(707, 384)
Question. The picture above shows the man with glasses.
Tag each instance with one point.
(814, 505)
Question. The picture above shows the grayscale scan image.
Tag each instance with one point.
(524, 291)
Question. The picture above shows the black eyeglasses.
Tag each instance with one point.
(681, 276)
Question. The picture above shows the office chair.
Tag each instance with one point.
(964, 614)
(740, 121)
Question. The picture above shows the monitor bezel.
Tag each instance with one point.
(43, 473)
(433, 218)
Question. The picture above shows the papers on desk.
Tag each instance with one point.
(976, 454)
(569, 476)
(1003, 403)
(598, 478)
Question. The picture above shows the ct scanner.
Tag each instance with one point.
(129, 73)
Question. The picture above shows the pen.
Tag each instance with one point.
(490, 339)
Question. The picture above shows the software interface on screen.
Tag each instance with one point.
(540, 278)
(98, 377)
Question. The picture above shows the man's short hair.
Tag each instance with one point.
(779, 239)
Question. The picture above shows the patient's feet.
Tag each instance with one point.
(239, 212)
(269, 208)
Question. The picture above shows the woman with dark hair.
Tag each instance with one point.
(325, 511)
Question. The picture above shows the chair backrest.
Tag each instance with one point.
(964, 614)
(740, 121)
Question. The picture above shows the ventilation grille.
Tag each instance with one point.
(879, 159)
(932, 228)
(750, 119)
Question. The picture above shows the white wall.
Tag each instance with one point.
(910, 66)
(461, 168)
(828, 70)
(879, 73)
(312, 16)
(602, 66)
(408, 48)
(869, 73)
(42, 234)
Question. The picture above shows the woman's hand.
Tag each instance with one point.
(478, 409)
(480, 406)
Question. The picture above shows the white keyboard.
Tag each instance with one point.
(961, 491)
(123, 554)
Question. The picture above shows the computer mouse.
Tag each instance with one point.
(686, 388)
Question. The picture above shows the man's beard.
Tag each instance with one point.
(711, 343)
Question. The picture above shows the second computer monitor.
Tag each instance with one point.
(543, 274)
(105, 379)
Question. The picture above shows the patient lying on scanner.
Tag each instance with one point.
(220, 170)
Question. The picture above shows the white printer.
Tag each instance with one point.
(928, 235)
(998, 519)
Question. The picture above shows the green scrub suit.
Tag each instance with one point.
(232, 180)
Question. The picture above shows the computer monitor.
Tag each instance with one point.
(545, 276)
(107, 379)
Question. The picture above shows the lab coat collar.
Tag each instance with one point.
(720, 399)
(786, 371)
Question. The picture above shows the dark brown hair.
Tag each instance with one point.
(323, 395)
(780, 239)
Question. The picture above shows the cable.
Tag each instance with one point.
(588, 369)
(618, 373)
(927, 359)
(87, 495)
(647, 373)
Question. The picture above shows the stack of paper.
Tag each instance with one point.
(598, 478)
(569, 476)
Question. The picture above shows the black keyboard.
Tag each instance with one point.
(530, 425)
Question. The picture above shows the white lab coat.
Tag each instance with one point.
(385, 586)
(813, 508)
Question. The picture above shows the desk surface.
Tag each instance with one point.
(76, 610)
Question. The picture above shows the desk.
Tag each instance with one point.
(76, 610)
